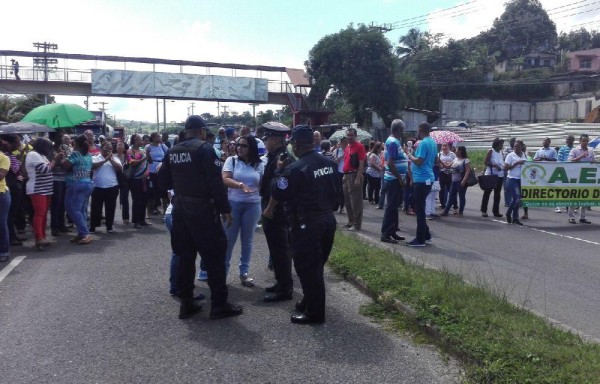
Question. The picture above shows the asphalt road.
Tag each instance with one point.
(101, 313)
(548, 266)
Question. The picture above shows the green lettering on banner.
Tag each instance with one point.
(587, 176)
(559, 174)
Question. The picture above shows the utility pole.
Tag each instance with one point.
(164, 115)
(254, 115)
(103, 103)
(157, 120)
(224, 112)
(43, 63)
(192, 106)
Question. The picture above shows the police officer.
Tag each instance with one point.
(310, 190)
(275, 226)
(193, 171)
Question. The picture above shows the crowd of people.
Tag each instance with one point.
(64, 175)
(79, 181)
(385, 174)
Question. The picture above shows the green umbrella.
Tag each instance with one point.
(59, 115)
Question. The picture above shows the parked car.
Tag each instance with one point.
(457, 124)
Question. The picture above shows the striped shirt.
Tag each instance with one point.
(563, 153)
(40, 174)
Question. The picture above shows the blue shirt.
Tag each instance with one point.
(157, 153)
(563, 153)
(393, 150)
(427, 151)
(82, 168)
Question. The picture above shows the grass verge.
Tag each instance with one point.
(497, 342)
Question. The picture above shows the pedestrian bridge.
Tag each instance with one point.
(141, 77)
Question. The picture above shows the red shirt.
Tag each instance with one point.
(351, 149)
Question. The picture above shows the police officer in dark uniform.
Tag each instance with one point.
(192, 169)
(310, 190)
(275, 226)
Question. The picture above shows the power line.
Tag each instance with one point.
(436, 12)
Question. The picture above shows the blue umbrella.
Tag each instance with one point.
(594, 143)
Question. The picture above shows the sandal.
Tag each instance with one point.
(85, 240)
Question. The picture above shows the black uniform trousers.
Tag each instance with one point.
(278, 240)
(196, 229)
(312, 240)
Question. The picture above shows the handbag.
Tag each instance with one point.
(435, 187)
(488, 182)
(471, 179)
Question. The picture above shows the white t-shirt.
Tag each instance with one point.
(449, 158)
(511, 158)
(244, 173)
(106, 175)
(496, 160)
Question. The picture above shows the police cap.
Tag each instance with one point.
(195, 122)
(275, 128)
(302, 134)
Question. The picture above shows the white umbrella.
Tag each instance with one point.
(361, 135)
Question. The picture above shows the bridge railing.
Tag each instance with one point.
(85, 76)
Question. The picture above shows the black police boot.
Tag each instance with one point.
(226, 310)
(272, 288)
(188, 308)
(300, 305)
(283, 295)
(306, 319)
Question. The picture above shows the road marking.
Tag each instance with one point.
(554, 234)
(12, 265)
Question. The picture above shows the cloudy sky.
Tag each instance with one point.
(265, 32)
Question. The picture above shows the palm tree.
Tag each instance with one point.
(411, 43)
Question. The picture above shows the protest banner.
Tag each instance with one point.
(551, 184)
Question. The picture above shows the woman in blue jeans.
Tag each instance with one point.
(79, 187)
(461, 168)
(242, 175)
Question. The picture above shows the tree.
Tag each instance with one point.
(579, 40)
(415, 41)
(14, 108)
(359, 64)
(343, 110)
(524, 27)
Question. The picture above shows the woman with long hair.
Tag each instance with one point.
(242, 174)
(461, 168)
(79, 187)
(39, 186)
(136, 156)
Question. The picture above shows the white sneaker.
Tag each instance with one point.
(557, 210)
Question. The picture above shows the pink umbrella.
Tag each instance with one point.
(445, 137)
